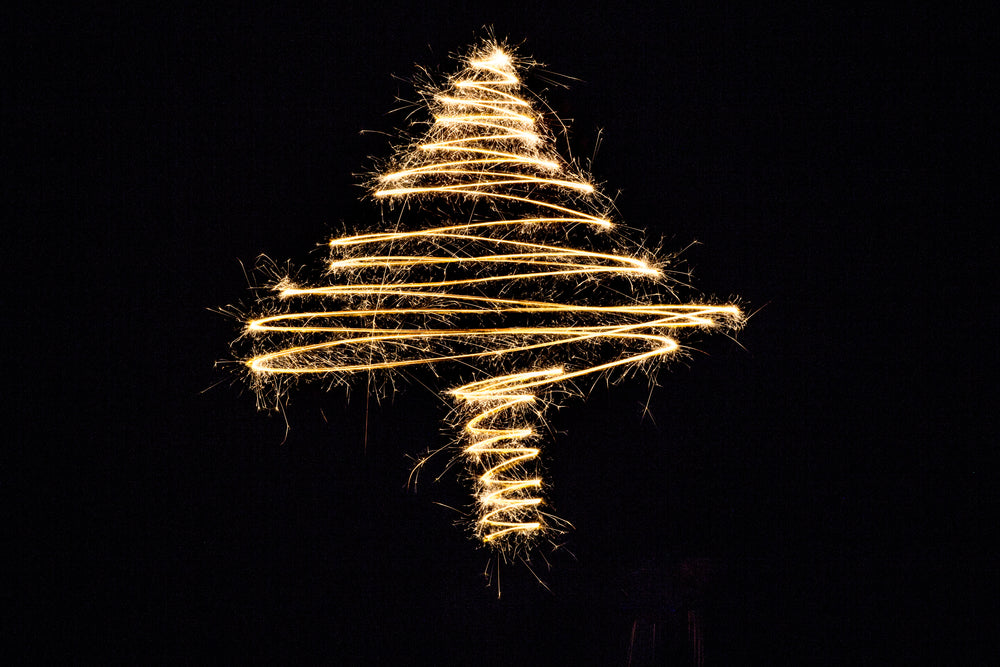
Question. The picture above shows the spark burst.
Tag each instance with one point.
(504, 269)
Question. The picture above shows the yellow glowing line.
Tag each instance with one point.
(491, 104)
(403, 322)
(540, 255)
(671, 313)
(382, 237)
(501, 159)
(583, 217)
(528, 136)
(498, 112)
(508, 179)
(262, 363)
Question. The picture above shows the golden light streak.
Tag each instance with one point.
(512, 295)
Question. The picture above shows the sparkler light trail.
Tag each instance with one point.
(504, 269)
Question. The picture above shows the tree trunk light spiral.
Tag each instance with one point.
(511, 275)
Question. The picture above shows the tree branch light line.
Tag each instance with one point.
(505, 275)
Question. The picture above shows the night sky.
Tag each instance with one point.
(816, 491)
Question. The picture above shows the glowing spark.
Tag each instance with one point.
(518, 285)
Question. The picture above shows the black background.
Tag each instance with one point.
(826, 473)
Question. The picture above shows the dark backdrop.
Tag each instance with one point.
(816, 491)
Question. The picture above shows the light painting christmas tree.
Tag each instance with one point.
(503, 273)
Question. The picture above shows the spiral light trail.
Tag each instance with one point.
(499, 290)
